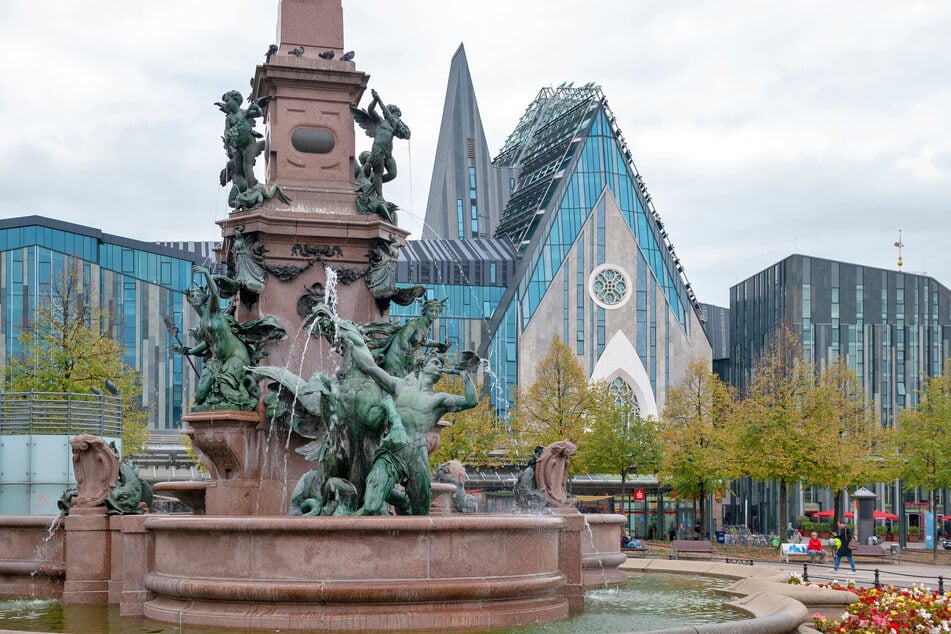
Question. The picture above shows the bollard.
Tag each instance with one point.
(805, 573)
(877, 583)
(940, 584)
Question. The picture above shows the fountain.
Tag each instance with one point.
(296, 531)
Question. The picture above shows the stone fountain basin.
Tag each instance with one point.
(436, 573)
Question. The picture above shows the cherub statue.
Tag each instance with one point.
(380, 167)
(242, 145)
(368, 201)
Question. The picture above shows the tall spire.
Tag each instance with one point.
(466, 193)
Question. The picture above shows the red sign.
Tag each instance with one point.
(639, 495)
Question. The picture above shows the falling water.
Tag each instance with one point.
(311, 330)
(330, 292)
(42, 552)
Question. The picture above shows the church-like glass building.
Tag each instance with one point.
(556, 235)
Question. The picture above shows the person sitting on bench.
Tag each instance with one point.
(814, 548)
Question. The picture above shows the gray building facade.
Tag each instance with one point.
(891, 327)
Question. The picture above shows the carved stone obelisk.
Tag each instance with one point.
(309, 153)
(282, 255)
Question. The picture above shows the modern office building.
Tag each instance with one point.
(891, 327)
(716, 323)
(578, 251)
(138, 283)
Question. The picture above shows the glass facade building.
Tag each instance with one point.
(585, 254)
(137, 283)
(892, 328)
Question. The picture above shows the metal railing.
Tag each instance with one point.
(47, 413)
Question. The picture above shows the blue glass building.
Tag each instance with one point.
(590, 259)
(137, 283)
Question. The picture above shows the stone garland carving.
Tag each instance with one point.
(380, 278)
(368, 423)
(287, 272)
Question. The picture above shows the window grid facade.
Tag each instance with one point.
(888, 347)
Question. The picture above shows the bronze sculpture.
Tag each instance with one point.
(368, 423)
(242, 145)
(228, 349)
(380, 167)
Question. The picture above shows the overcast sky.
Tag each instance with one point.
(761, 128)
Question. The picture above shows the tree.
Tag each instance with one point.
(772, 438)
(846, 445)
(474, 434)
(694, 435)
(619, 441)
(555, 406)
(67, 348)
(923, 456)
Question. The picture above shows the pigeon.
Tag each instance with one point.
(348, 56)
(297, 52)
(271, 50)
(327, 54)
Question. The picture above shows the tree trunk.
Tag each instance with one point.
(783, 507)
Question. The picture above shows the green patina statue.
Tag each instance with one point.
(381, 278)
(380, 167)
(228, 349)
(402, 457)
(395, 346)
(368, 424)
(369, 202)
(246, 268)
(132, 495)
(242, 145)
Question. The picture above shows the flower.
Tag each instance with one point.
(888, 610)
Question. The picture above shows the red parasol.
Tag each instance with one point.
(825, 513)
(882, 515)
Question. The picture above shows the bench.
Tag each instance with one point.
(643, 551)
(679, 546)
(792, 549)
(867, 550)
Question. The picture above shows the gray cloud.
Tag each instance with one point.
(761, 128)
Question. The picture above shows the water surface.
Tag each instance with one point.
(648, 602)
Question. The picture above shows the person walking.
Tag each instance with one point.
(845, 537)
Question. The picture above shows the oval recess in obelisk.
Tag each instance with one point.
(313, 140)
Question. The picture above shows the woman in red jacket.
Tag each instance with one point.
(814, 549)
